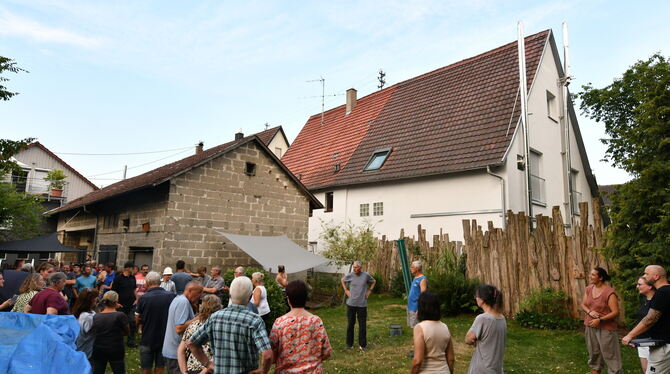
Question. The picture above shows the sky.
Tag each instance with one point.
(128, 77)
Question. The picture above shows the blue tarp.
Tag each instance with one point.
(40, 344)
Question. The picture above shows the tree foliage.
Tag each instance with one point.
(635, 110)
(9, 148)
(20, 214)
(7, 64)
(346, 243)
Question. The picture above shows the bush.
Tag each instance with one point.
(380, 287)
(397, 285)
(546, 308)
(454, 289)
(275, 295)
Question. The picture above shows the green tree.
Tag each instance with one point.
(20, 214)
(635, 110)
(7, 64)
(346, 243)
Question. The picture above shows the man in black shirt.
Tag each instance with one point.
(657, 321)
(124, 284)
(152, 315)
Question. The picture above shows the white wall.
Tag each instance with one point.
(278, 145)
(471, 191)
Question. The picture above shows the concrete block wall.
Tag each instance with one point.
(219, 196)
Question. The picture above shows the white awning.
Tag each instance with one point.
(271, 251)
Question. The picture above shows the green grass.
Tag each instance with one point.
(528, 351)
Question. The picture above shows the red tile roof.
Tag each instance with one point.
(456, 118)
(166, 172)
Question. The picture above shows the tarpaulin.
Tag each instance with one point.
(40, 344)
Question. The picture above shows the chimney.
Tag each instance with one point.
(198, 148)
(351, 99)
(239, 135)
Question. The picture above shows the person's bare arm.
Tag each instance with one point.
(199, 354)
(27, 308)
(51, 310)
(586, 309)
(257, 296)
(71, 282)
(424, 285)
(346, 290)
(372, 286)
(649, 320)
(181, 357)
(451, 358)
(266, 358)
(470, 338)
(419, 350)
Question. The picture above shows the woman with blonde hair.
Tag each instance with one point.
(187, 362)
(259, 297)
(109, 327)
(33, 284)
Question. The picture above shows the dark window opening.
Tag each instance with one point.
(250, 169)
(377, 159)
(126, 224)
(107, 254)
(336, 168)
(110, 222)
(329, 201)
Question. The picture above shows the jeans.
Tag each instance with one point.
(99, 366)
(360, 313)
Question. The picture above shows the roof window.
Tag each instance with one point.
(377, 159)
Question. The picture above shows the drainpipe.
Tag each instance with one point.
(524, 121)
(566, 122)
(502, 195)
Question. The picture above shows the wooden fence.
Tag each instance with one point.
(516, 260)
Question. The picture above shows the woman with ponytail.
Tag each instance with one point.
(488, 332)
(601, 306)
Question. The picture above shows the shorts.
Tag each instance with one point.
(659, 360)
(151, 357)
(643, 352)
(411, 319)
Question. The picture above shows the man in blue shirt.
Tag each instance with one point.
(180, 315)
(419, 285)
(85, 280)
(181, 277)
(109, 279)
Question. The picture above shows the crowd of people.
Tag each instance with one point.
(185, 328)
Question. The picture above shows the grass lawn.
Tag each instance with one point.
(528, 351)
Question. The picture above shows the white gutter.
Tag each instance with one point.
(565, 82)
(524, 117)
(502, 195)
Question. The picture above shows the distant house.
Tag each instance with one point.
(36, 161)
(446, 146)
(174, 212)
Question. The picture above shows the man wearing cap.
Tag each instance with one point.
(124, 284)
(357, 286)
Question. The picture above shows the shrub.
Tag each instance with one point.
(380, 287)
(397, 285)
(546, 308)
(275, 295)
(454, 289)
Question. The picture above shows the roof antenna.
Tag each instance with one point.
(323, 94)
(381, 79)
(267, 125)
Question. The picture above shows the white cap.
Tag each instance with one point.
(167, 271)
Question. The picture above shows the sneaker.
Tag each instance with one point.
(364, 349)
(349, 347)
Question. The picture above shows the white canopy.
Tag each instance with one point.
(271, 251)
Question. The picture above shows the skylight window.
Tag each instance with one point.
(377, 160)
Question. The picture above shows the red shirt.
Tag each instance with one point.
(48, 298)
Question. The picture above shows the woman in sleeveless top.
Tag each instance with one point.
(260, 298)
(601, 306)
(433, 347)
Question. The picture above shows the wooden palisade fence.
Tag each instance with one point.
(516, 260)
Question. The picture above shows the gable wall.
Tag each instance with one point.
(76, 187)
(278, 142)
(219, 196)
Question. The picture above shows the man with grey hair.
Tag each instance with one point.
(357, 286)
(657, 321)
(215, 285)
(419, 285)
(151, 316)
(50, 300)
(180, 315)
(235, 334)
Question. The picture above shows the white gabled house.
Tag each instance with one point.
(449, 145)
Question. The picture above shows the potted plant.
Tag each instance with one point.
(56, 179)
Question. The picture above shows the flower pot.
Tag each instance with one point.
(56, 192)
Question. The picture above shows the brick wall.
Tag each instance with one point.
(219, 196)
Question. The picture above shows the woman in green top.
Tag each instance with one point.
(33, 284)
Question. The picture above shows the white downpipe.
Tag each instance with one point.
(502, 195)
(524, 118)
(566, 123)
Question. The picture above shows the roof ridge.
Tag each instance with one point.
(52, 154)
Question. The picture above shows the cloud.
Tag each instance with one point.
(14, 25)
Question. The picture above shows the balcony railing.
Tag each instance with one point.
(537, 189)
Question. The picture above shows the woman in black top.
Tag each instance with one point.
(647, 290)
(109, 327)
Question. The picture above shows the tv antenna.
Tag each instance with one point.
(381, 79)
(323, 94)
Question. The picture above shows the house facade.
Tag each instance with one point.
(176, 211)
(447, 146)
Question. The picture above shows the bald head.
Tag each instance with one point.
(193, 291)
(656, 275)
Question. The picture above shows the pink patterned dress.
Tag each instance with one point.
(300, 344)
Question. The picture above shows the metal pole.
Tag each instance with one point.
(566, 123)
(406, 275)
(524, 119)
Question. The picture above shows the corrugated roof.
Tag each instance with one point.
(455, 118)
